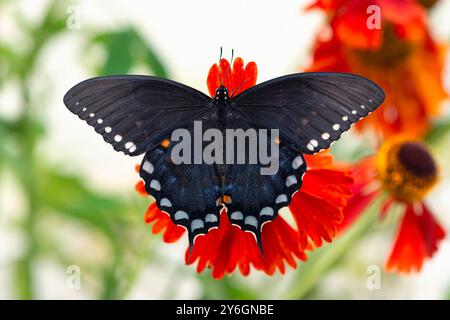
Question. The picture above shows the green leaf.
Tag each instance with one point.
(146, 53)
(440, 130)
(8, 62)
(225, 288)
(125, 49)
(70, 196)
(53, 22)
(23, 283)
(118, 52)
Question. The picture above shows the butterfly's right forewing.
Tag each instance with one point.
(311, 110)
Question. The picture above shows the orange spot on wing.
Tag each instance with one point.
(226, 199)
(165, 143)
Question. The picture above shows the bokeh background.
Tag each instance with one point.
(67, 203)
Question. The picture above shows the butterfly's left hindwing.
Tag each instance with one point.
(189, 193)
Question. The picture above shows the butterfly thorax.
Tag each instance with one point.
(221, 94)
(221, 105)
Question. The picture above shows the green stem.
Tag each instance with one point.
(25, 288)
(322, 260)
(28, 142)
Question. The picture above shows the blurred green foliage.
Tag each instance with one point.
(49, 191)
(124, 49)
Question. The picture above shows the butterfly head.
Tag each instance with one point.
(221, 94)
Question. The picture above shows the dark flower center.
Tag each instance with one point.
(427, 3)
(393, 50)
(416, 159)
(406, 169)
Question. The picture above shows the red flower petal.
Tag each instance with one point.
(213, 80)
(162, 223)
(140, 188)
(318, 207)
(411, 23)
(329, 54)
(236, 78)
(327, 4)
(350, 18)
(351, 26)
(417, 240)
(365, 189)
(386, 206)
(228, 247)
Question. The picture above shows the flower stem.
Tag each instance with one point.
(323, 259)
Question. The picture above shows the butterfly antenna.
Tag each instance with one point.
(220, 59)
(229, 65)
(239, 87)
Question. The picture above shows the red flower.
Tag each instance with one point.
(355, 20)
(405, 170)
(316, 211)
(401, 57)
(235, 78)
(417, 239)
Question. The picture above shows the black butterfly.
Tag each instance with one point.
(137, 113)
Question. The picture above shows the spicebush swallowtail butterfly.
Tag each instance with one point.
(135, 114)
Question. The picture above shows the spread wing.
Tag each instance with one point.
(135, 113)
(311, 110)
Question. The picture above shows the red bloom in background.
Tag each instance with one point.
(401, 57)
(316, 209)
(355, 24)
(406, 171)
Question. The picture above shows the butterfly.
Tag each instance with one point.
(137, 114)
